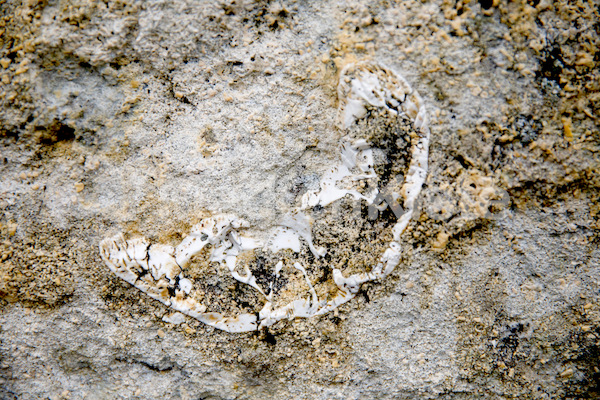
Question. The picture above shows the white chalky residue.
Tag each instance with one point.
(353, 156)
(300, 223)
(284, 238)
(159, 270)
(175, 318)
(185, 285)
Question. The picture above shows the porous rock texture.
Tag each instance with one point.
(147, 116)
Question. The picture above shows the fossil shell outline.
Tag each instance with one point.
(159, 270)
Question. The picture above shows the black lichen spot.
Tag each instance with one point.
(486, 4)
(552, 64)
(268, 337)
(365, 296)
(585, 384)
(262, 271)
(115, 65)
(508, 344)
(527, 127)
(55, 132)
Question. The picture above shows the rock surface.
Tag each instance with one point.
(146, 117)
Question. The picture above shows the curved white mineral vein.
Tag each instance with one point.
(158, 270)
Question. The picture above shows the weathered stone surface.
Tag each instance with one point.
(146, 117)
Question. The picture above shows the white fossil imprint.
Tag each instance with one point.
(160, 270)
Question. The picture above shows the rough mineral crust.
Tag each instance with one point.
(150, 118)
